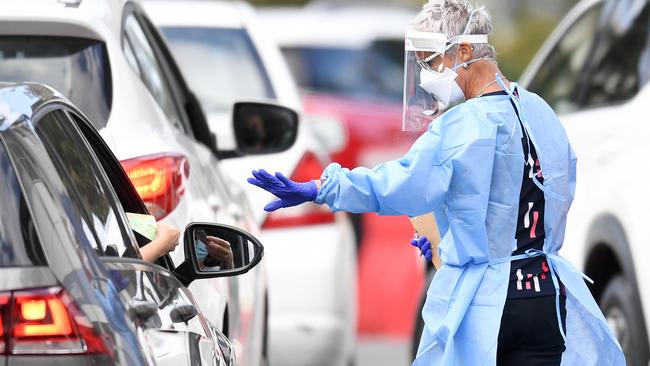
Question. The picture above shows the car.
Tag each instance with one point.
(76, 290)
(109, 59)
(348, 60)
(312, 297)
(593, 70)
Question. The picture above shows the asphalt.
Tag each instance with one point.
(383, 352)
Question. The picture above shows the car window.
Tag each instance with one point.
(557, 79)
(20, 244)
(76, 67)
(90, 193)
(372, 72)
(220, 64)
(149, 68)
(619, 64)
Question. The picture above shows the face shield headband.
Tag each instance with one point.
(428, 88)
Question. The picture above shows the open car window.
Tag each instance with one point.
(91, 195)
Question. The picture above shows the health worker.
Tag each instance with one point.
(499, 173)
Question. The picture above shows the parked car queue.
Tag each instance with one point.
(312, 317)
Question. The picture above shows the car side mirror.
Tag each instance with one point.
(214, 250)
(264, 128)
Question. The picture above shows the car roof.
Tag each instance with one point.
(82, 18)
(19, 101)
(226, 14)
(349, 26)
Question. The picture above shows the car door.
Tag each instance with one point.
(109, 236)
(165, 314)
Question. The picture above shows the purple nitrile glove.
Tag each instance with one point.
(425, 247)
(290, 193)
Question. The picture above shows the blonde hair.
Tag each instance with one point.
(452, 18)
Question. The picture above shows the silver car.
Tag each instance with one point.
(74, 288)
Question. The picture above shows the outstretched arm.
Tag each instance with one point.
(412, 185)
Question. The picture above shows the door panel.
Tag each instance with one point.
(166, 317)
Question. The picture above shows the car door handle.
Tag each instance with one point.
(183, 313)
(142, 309)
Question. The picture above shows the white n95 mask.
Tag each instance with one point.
(442, 86)
(428, 89)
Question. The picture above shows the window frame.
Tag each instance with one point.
(112, 197)
(605, 31)
(600, 8)
(195, 121)
(131, 11)
(126, 194)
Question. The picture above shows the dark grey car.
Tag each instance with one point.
(73, 289)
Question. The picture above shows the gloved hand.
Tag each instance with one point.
(425, 247)
(290, 193)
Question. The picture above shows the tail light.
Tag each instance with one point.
(309, 168)
(160, 180)
(45, 321)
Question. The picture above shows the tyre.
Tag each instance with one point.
(419, 322)
(621, 306)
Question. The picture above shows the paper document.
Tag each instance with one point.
(144, 225)
(425, 225)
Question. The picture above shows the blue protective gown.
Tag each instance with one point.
(467, 169)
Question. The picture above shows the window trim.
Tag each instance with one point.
(584, 84)
(131, 9)
(116, 205)
(117, 178)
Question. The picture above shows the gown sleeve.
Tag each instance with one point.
(414, 185)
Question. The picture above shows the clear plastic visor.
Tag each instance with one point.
(420, 107)
(423, 64)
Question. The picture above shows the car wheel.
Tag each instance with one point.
(622, 309)
(419, 322)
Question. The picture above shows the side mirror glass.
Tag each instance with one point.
(264, 128)
(220, 250)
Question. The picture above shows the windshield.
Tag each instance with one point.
(375, 72)
(221, 65)
(77, 68)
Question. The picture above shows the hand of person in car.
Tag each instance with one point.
(220, 250)
(425, 247)
(166, 241)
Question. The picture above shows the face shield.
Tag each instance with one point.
(429, 86)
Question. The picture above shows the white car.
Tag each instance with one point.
(108, 59)
(594, 70)
(225, 56)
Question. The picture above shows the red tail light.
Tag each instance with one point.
(309, 168)
(45, 321)
(160, 180)
(4, 308)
